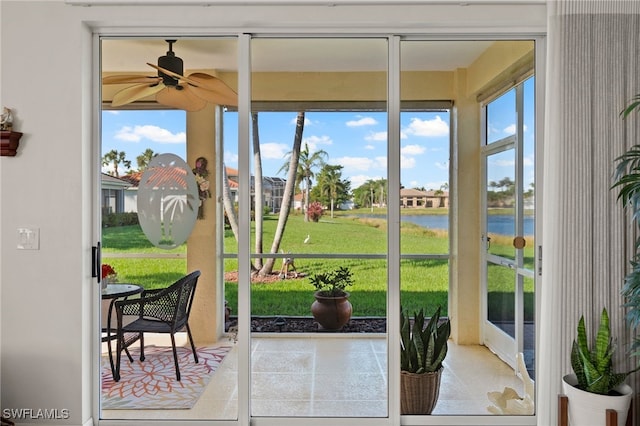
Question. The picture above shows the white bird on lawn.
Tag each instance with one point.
(306, 240)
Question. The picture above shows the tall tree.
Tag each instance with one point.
(305, 170)
(332, 186)
(370, 191)
(228, 203)
(258, 192)
(287, 196)
(116, 157)
(144, 159)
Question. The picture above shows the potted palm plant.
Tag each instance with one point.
(627, 182)
(332, 309)
(594, 387)
(422, 350)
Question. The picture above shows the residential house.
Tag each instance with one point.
(113, 194)
(414, 198)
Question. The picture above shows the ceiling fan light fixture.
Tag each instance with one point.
(171, 62)
(171, 87)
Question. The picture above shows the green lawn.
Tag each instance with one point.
(424, 282)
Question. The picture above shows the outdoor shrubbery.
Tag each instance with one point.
(119, 219)
(315, 211)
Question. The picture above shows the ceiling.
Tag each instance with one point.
(290, 54)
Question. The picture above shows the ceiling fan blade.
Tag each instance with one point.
(213, 89)
(134, 93)
(166, 71)
(180, 98)
(130, 79)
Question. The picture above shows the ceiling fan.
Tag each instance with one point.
(171, 87)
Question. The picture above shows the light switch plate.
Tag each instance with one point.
(28, 238)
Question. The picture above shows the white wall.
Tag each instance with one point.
(45, 77)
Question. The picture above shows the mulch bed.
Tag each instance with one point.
(264, 279)
(300, 324)
(309, 325)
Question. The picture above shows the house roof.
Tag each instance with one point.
(417, 193)
(133, 178)
(112, 182)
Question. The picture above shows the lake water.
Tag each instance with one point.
(498, 224)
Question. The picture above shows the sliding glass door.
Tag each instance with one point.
(508, 225)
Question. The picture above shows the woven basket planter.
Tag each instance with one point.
(419, 392)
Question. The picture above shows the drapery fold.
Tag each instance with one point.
(592, 72)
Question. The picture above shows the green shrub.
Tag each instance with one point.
(119, 219)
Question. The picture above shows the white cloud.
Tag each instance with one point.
(503, 163)
(407, 162)
(151, 133)
(511, 130)
(230, 158)
(359, 180)
(318, 140)
(315, 141)
(307, 122)
(434, 186)
(362, 121)
(412, 150)
(528, 161)
(273, 151)
(428, 128)
(376, 137)
(362, 163)
(369, 147)
(442, 166)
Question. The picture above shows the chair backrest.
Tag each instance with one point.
(185, 300)
(172, 304)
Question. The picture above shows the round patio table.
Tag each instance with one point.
(114, 292)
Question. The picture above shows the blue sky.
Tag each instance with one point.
(354, 140)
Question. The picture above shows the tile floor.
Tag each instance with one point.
(296, 376)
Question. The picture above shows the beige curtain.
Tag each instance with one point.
(593, 51)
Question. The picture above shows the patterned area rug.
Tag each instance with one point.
(152, 384)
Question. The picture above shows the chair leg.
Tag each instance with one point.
(141, 346)
(175, 356)
(126, 350)
(116, 368)
(193, 347)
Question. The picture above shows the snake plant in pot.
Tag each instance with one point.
(595, 386)
(422, 351)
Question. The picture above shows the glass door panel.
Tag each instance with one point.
(133, 136)
(320, 127)
(509, 226)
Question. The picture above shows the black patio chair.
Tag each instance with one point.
(164, 310)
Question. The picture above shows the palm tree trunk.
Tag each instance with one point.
(228, 203)
(306, 198)
(287, 197)
(259, 191)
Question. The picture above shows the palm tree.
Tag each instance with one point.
(305, 170)
(144, 159)
(259, 193)
(287, 196)
(330, 183)
(116, 157)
